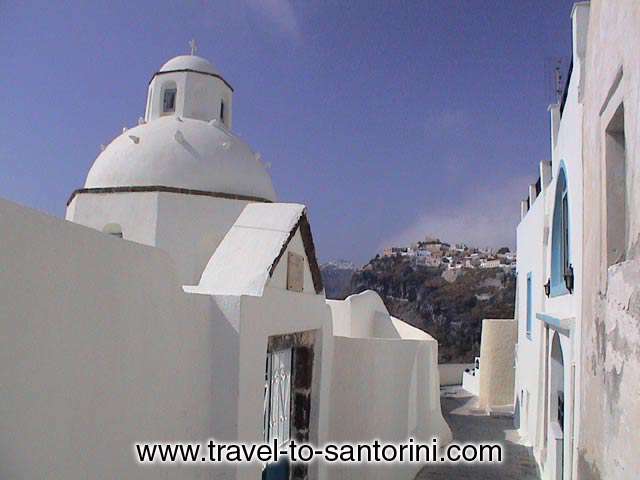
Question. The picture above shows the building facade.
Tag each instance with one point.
(549, 292)
(577, 374)
(609, 440)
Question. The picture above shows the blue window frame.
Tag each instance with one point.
(529, 304)
(560, 246)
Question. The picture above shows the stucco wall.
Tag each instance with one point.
(610, 393)
(188, 227)
(497, 360)
(381, 389)
(100, 348)
(451, 373)
(136, 213)
(279, 312)
(536, 254)
(385, 383)
(531, 260)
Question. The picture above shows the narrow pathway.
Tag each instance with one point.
(468, 425)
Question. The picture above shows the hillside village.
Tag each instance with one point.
(441, 289)
(432, 252)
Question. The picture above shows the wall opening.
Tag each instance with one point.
(616, 188)
(113, 229)
(557, 382)
(169, 95)
(560, 247)
(287, 402)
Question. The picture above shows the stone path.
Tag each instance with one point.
(468, 425)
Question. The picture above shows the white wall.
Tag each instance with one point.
(99, 348)
(136, 213)
(451, 373)
(534, 237)
(610, 360)
(188, 227)
(530, 237)
(279, 312)
(385, 382)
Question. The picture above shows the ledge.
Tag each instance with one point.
(564, 325)
(162, 188)
(189, 70)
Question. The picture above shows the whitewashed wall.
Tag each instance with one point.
(451, 373)
(610, 392)
(529, 360)
(534, 237)
(385, 383)
(100, 348)
(188, 227)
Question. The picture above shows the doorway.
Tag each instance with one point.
(287, 398)
(557, 404)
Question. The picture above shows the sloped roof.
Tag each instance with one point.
(250, 251)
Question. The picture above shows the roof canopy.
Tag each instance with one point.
(249, 253)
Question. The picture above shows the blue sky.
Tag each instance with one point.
(389, 120)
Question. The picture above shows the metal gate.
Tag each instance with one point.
(277, 396)
(277, 405)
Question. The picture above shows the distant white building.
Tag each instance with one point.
(393, 251)
(492, 263)
(193, 307)
(429, 261)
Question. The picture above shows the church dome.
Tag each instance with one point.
(184, 153)
(189, 62)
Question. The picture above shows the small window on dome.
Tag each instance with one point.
(169, 100)
(222, 112)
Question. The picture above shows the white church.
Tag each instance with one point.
(179, 301)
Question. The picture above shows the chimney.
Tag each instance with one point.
(523, 209)
(545, 174)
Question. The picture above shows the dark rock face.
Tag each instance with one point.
(450, 308)
(336, 277)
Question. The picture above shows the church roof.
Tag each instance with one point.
(251, 250)
(189, 62)
(182, 153)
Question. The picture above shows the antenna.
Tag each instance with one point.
(194, 47)
(554, 75)
(557, 77)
